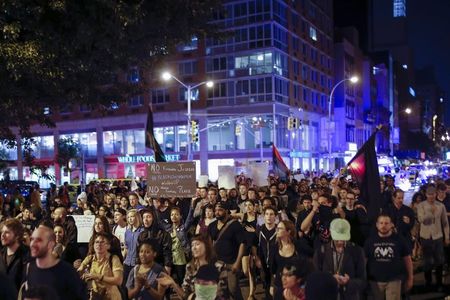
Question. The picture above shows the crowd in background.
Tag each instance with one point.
(310, 238)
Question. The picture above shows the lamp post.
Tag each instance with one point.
(167, 76)
(353, 79)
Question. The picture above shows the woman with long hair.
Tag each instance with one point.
(202, 254)
(102, 270)
(248, 220)
(289, 250)
(63, 250)
(207, 218)
(131, 241)
(101, 224)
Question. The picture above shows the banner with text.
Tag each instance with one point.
(85, 224)
(171, 179)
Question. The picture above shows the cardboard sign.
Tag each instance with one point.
(226, 177)
(171, 179)
(84, 223)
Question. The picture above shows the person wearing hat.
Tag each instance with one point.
(344, 260)
(433, 233)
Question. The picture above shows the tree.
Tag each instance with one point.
(68, 149)
(58, 53)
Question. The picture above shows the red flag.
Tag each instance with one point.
(364, 169)
(279, 167)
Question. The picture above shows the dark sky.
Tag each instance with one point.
(429, 37)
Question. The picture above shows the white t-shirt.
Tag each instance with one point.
(119, 232)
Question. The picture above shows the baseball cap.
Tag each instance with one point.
(340, 230)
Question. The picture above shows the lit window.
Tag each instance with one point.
(313, 33)
(399, 9)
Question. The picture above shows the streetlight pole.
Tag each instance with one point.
(353, 79)
(167, 76)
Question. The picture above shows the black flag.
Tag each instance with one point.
(364, 169)
(150, 140)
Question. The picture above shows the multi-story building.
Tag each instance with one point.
(276, 62)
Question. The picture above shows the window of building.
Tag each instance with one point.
(256, 63)
(399, 8)
(87, 141)
(136, 101)
(182, 92)
(123, 142)
(297, 91)
(313, 33)
(218, 90)
(187, 68)
(160, 96)
(350, 109)
(306, 93)
(349, 133)
(296, 67)
(305, 72)
(216, 64)
(192, 45)
(280, 38)
(280, 12)
(133, 75)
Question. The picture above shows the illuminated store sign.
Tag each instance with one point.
(134, 159)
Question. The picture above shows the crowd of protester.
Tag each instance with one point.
(301, 239)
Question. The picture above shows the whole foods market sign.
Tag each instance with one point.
(134, 159)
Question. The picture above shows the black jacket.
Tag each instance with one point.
(353, 264)
(164, 256)
(15, 270)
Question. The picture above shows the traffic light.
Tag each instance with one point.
(194, 131)
(290, 123)
(293, 123)
(238, 130)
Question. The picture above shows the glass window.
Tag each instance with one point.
(160, 96)
(313, 33)
(169, 139)
(136, 101)
(182, 138)
(87, 141)
(123, 142)
(44, 146)
(7, 153)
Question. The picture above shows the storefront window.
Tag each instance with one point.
(169, 139)
(221, 136)
(44, 146)
(123, 142)
(182, 138)
(7, 153)
(87, 141)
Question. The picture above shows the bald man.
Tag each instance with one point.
(50, 272)
(60, 217)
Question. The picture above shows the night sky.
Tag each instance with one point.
(429, 37)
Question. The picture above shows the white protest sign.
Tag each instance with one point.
(258, 172)
(226, 177)
(84, 223)
(203, 181)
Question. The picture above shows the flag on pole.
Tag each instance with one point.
(279, 167)
(150, 140)
(364, 169)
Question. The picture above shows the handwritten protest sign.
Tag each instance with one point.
(84, 223)
(171, 179)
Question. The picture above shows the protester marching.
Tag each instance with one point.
(318, 236)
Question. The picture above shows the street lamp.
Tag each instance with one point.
(167, 76)
(353, 80)
(408, 110)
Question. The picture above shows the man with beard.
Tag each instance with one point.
(243, 196)
(50, 272)
(14, 254)
(229, 244)
(388, 261)
(401, 215)
(60, 216)
(151, 231)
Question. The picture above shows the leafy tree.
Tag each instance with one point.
(68, 149)
(55, 53)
